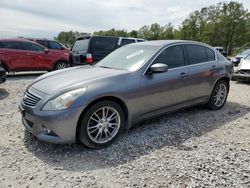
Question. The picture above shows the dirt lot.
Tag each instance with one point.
(191, 148)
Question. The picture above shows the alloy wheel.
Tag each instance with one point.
(220, 95)
(103, 125)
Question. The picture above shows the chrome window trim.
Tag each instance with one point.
(182, 43)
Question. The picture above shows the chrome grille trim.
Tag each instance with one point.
(31, 99)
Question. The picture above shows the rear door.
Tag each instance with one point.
(13, 55)
(102, 46)
(202, 69)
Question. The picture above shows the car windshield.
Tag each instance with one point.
(81, 45)
(129, 57)
(246, 52)
(248, 57)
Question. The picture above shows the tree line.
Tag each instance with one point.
(225, 24)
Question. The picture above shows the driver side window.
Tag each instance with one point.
(172, 56)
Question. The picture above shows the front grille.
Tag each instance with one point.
(245, 71)
(30, 100)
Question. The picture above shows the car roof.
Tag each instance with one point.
(19, 40)
(97, 36)
(35, 39)
(162, 43)
(219, 47)
(15, 40)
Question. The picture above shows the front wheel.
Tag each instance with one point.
(219, 95)
(61, 65)
(101, 124)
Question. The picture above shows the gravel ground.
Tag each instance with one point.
(190, 148)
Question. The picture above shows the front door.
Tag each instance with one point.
(162, 90)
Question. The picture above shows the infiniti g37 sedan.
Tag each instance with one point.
(94, 104)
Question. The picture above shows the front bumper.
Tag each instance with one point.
(241, 77)
(62, 124)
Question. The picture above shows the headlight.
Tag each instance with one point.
(63, 101)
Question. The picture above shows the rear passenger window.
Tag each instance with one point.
(127, 41)
(108, 44)
(210, 54)
(196, 54)
(172, 56)
(12, 45)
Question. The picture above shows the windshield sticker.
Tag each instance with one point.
(135, 54)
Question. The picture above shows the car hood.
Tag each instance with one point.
(57, 81)
(244, 65)
(239, 56)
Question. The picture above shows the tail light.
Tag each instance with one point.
(89, 58)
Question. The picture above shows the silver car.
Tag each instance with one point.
(94, 104)
(242, 72)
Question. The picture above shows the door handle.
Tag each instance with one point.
(183, 75)
(213, 68)
(29, 54)
(2, 52)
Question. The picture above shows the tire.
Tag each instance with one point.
(61, 65)
(98, 131)
(3, 67)
(214, 103)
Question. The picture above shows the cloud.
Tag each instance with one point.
(48, 17)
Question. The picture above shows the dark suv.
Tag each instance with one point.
(91, 49)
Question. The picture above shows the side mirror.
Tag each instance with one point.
(158, 68)
(46, 51)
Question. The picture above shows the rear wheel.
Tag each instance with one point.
(101, 124)
(219, 95)
(61, 65)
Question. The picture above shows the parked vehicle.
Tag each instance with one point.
(24, 55)
(2, 75)
(242, 72)
(236, 60)
(221, 50)
(51, 44)
(91, 49)
(134, 83)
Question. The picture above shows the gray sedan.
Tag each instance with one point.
(94, 104)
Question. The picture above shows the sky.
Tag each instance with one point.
(46, 18)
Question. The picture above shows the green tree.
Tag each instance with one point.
(224, 24)
(68, 37)
(112, 32)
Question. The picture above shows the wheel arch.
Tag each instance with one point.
(105, 98)
(226, 78)
(59, 60)
(5, 66)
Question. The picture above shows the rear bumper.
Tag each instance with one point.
(241, 77)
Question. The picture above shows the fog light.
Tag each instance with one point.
(46, 130)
